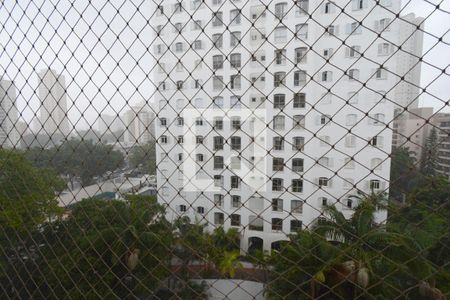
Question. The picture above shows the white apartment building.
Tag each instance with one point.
(52, 117)
(266, 115)
(442, 122)
(9, 135)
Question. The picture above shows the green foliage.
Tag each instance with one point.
(78, 158)
(144, 157)
(404, 176)
(27, 194)
(86, 255)
(429, 159)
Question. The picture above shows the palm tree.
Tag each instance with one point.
(372, 259)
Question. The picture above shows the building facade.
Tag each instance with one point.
(442, 122)
(139, 125)
(266, 115)
(52, 116)
(9, 118)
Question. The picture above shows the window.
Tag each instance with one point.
(199, 121)
(235, 143)
(298, 143)
(350, 119)
(297, 185)
(352, 97)
(277, 204)
(278, 143)
(359, 4)
(277, 224)
(300, 54)
(163, 139)
(279, 78)
(197, 83)
(349, 203)
(235, 82)
(302, 7)
(216, 2)
(299, 121)
(353, 28)
(180, 84)
(350, 141)
(217, 40)
(277, 164)
(382, 25)
(197, 45)
(384, 49)
(349, 163)
(217, 19)
(296, 206)
(235, 38)
(353, 74)
(235, 17)
(323, 201)
(279, 101)
(218, 142)
(297, 164)
(374, 184)
(218, 162)
(236, 123)
(182, 208)
(381, 73)
(378, 119)
(324, 119)
(235, 182)
(235, 60)
(299, 100)
(180, 139)
(200, 210)
(218, 102)
(218, 123)
(235, 220)
(300, 78)
(296, 225)
(301, 31)
(178, 27)
(199, 157)
(376, 141)
(178, 7)
(327, 52)
(280, 56)
(235, 102)
(278, 122)
(160, 10)
(218, 218)
(255, 223)
(217, 62)
(353, 51)
(163, 122)
(180, 121)
(217, 83)
(218, 181)
(197, 25)
(218, 200)
(327, 76)
(235, 201)
(280, 10)
(332, 30)
(329, 8)
(277, 184)
(323, 181)
(280, 34)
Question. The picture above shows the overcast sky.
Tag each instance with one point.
(105, 58)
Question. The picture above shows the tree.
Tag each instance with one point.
(144, 157)
(404, 176)
(429, 159)
(78, 159)
(27, 194)
(104, 249)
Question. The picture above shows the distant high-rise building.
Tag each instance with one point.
(52, 118)
(9, 136)
(442, 122)
(139, 125)
(109, 124)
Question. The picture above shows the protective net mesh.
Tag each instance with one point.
(224, 149)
